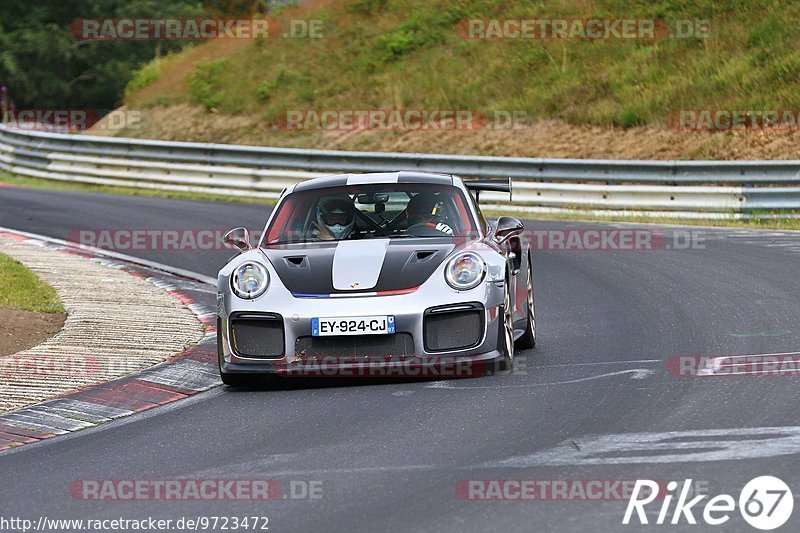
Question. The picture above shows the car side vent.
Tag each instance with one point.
(421, 256)
(297, 261)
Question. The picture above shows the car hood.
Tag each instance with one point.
(368, 265)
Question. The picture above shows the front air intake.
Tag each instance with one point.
(454, 327)
(257, 335)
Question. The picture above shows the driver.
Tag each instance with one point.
(335, 219)
(422, 210)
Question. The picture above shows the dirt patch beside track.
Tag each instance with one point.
(24, 329)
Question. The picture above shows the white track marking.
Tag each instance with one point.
(638, 361)
(636, 373)
(667, 447)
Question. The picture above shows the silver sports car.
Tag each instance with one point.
(385, 274)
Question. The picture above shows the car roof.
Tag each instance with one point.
(375, 177)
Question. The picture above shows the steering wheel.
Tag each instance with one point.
(424, 230)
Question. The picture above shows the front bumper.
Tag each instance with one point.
(409, 311)
(409, 367)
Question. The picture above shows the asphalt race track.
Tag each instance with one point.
(390, 456)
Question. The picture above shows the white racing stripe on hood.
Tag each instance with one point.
(358, 262)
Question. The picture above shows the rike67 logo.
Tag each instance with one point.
(765, 503)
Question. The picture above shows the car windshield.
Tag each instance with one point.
(396, 210)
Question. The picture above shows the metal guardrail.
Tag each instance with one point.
(697, 189)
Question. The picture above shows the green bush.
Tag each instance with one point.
(264, 90)
(204, 84)
(142, 77)
(397, 43)
(628, 118)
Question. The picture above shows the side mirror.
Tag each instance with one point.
(238, 239)
(507, 227)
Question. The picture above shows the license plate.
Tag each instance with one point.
(354, 325)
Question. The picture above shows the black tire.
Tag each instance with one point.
(528, 339)
(506, 342)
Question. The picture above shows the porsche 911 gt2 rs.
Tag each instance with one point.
(362, 273)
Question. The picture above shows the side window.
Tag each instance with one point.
(276, 228)
(288, 224)
(449, 213)
(481, 218)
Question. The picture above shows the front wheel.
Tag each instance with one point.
(506, 363)
(528, 339)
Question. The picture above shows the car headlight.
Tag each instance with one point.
(465, 271)
(249, 280)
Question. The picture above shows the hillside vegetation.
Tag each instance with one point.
(43, 66)
(408, 54)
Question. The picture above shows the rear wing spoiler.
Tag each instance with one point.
(498, 185)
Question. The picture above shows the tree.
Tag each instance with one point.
(45, 67)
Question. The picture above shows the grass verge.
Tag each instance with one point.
(21, 289)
